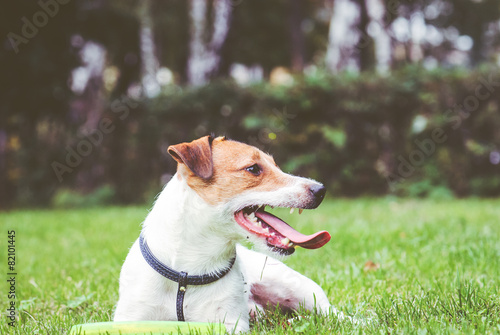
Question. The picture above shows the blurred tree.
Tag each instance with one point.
(279, 33)
(471, 18)
(296, 8)
(171, 32)
(35, 60)
(206, 44)
(150, 64)
(259, 35)
(41, 116)
(379, 32)
(343, 36)
(349, 44)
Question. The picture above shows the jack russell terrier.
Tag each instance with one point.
(187, 264)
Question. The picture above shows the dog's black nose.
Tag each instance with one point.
(318, 191)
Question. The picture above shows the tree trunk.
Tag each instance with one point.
(296, 35)
(150, 64)
(382, 41)
(416, 22)
(343, 37)
(365, 43)
(88, 83)
(204, 58)
(87, 108)
(477, 35)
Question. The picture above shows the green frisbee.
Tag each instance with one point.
(147, 328)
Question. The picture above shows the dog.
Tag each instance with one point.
(188, 263)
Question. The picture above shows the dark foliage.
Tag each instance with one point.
(363, 135)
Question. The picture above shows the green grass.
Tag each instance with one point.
(435, 266)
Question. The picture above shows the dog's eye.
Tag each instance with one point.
(254, 169)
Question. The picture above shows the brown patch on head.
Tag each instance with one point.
(235, 167)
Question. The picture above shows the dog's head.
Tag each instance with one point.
(241, 180)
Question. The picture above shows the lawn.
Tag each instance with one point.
(398, 266)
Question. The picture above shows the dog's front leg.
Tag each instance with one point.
(272, 283)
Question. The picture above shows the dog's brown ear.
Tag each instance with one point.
(196, 155)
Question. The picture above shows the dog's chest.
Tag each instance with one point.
(206, 302)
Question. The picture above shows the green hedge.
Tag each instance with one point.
(366, 134)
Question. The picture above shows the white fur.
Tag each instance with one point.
(187, 234)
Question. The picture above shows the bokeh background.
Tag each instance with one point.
(371, 97)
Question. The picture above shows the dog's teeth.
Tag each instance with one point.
(291, 210)
(251, 217)
(266, 230)
(300, 211)
(285, 241)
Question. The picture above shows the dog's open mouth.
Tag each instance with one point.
(280, 236)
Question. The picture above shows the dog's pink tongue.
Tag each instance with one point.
(313, 241)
